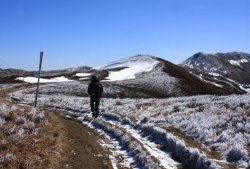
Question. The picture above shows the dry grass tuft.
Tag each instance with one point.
(25, 143)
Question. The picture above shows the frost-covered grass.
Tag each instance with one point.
(18, 132)
(156, 83)
(11, 85)
(220, 123)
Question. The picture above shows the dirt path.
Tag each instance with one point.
(63, 143)
(78, 144)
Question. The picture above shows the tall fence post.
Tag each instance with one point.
(39, 74)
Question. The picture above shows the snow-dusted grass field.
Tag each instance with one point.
(18, 125)
(220, 124)
(11, 85)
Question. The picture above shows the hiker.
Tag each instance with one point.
(95, 91)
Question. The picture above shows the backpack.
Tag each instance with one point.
(96, 89)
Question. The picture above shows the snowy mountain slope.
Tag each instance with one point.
(230, 70)
(190, 84)
(156, 77)
(149, 76)
(219, 123)
(131, 67)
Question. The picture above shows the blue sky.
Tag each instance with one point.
(94, 32)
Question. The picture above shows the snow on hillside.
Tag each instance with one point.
(157, 82)
(82, 74)
(237, 62)
(228, 69)
(133, 66)
(221, 124)
(42, 80)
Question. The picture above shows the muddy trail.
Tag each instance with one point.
(81, 149)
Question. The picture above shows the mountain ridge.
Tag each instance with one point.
(230, 70)
(155, 77)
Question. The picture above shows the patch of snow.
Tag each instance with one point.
(237, 62)
(214, 74)
(213, 69)
(189, 65)
(129, 73)
(245, 89)
(84, 78)
(82, 74)
(133, 66)
(216, 84)
(163, 158)
(243, 60)
(213, 83)
(113, 162)
(42, 80)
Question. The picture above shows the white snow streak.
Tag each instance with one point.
(132, 66)
(237, 62)
(129, 73)
(82, 74)
(42, 80)
(163, 158)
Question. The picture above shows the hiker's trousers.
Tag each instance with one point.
(94, 104)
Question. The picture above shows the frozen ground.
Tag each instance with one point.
(221, 124)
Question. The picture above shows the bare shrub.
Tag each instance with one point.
(38, 118)
(20, 121)
(234, 155)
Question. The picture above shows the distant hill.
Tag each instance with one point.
(12, 72)
(228, 70)
(18, 72)
(9, 75)
(156, 77)
(148, 76)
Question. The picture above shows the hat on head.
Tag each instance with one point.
(94, 79)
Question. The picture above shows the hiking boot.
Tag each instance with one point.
(94, 115)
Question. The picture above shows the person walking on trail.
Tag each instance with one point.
(95, 91)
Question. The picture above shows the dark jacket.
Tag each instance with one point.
(95, 88)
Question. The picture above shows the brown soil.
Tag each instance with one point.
(80, 147)
(61, 143)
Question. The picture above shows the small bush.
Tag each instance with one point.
(144, 120)
(6, 158)
(38, 118)
(2, 121)
(234, 155)
(20, 121)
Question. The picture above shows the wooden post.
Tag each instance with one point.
(39, 74)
